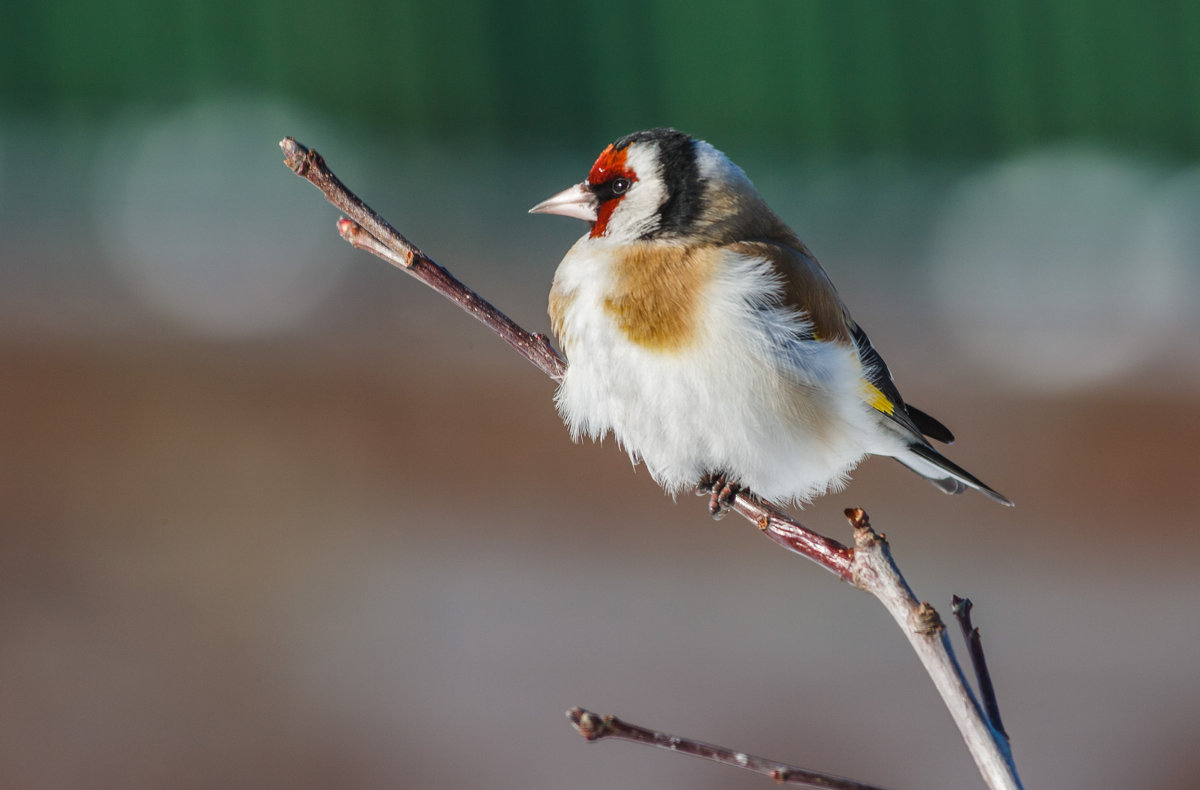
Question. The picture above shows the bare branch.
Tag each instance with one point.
(962, 611)
(869, 565)
(594, 727)
(794, 536)
(875, 571)
(368, 231)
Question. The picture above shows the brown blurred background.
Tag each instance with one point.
(275, 515)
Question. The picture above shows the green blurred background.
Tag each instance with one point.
(276, 516)
(932, 79)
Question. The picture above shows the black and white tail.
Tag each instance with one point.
(944, 473)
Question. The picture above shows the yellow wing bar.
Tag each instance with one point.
(876, 399)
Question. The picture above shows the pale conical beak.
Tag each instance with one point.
(578, 201)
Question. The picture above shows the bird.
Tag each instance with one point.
(701, 332)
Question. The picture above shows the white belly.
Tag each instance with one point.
(778, 414)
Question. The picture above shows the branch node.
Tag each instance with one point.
(926, 621)
(864, 536)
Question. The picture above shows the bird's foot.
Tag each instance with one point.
(721, 493)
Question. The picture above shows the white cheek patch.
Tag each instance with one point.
(637, 213)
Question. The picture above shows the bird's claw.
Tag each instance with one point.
(721, 493)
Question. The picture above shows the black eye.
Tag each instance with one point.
(620, 185)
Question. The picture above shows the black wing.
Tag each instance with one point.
(875, 370)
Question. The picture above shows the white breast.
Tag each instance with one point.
(752, 396)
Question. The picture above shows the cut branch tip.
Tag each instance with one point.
(297, 156)
(858, 518)
(590, 725)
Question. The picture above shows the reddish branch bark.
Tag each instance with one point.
(868, 565)
(368, 231)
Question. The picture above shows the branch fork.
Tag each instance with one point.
(867, 565)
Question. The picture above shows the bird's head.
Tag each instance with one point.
(657, 184)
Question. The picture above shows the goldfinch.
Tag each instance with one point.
(701, 332)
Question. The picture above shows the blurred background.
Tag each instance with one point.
(275, 515)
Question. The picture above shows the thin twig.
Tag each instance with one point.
(794, 536)
(868, 565)
(594, 727)
(368, 231)
(962, 611)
